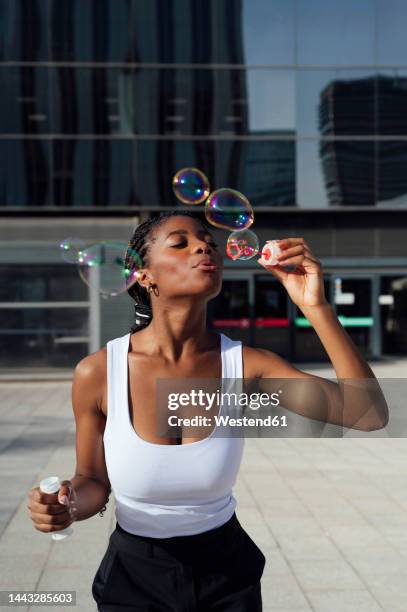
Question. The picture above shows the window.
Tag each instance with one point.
(24, 106)
(93, 173)
(336, 173)
(392, 102)
(91, 31)
(263, 170)
(24, 30)
(336, 102)
(268, 32)
(44, 316)
(25, 172)
(336, 33)
(391, 179)
(391, 32)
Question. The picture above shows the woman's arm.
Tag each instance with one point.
(344, 355)
(90, 482)
(357, 400)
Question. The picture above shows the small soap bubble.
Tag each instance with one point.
(70, 249)
(102, 266)
(190, 186)
(229, 209)
(242, 245)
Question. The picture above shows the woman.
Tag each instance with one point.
(178, 544)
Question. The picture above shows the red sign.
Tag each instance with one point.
(272, 322)
(244, 322)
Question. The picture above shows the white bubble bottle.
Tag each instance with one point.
(269, 253)
(52, 484)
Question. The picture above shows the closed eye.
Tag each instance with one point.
(182, 244)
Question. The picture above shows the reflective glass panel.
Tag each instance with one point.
(336, 173)
(391, 32)
(181, 101)
(89, 100)
(24, 31)
(93, 173)
(392, 177)
(268, 32)
(336, 33)
(24, 104)
(43, 337)
(169, 101)
(271, 100)
(158, 160)
(175, 32)
(25, 172)
(250, 32)
(392, 102)
(263, 170)
(87, 31)
(336, 102)
(41, 283)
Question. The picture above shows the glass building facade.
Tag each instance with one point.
(299, 104)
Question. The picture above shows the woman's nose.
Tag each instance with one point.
(203, 246)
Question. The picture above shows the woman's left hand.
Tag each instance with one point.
(305, 283)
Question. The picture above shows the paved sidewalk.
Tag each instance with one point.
(329, 514)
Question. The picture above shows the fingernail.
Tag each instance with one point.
(63, 499)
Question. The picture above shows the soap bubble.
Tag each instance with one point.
(242, 245)
(190, 186)
(71, 249)
(229, 209)
(102, 267)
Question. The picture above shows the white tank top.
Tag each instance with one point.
(161, 490)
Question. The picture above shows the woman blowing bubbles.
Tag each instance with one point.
(178, 545)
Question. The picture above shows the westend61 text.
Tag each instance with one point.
(203, 421)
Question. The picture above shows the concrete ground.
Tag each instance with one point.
(329, 514)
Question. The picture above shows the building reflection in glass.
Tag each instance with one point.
(361, 172)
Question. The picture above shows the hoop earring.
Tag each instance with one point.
(152, 288)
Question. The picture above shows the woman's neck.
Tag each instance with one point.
(178, 334)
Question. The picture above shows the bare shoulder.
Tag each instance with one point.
(89, 379)
(263, 363)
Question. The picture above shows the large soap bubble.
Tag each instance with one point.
(190, 186)
(242, 245)
(71, 249)
(229, 209)
(102, 267)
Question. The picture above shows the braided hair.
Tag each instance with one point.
(137, 255)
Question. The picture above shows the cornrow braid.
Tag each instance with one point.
(137, 255)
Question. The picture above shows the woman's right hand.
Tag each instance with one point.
(48, 513)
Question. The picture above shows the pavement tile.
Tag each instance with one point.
(308, 548)
(356, 535)
(382, 560)
(281, 592)
(390, 591)
(326, 574)
(276, 562)
(344, 601)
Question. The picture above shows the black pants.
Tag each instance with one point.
(215, 571)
